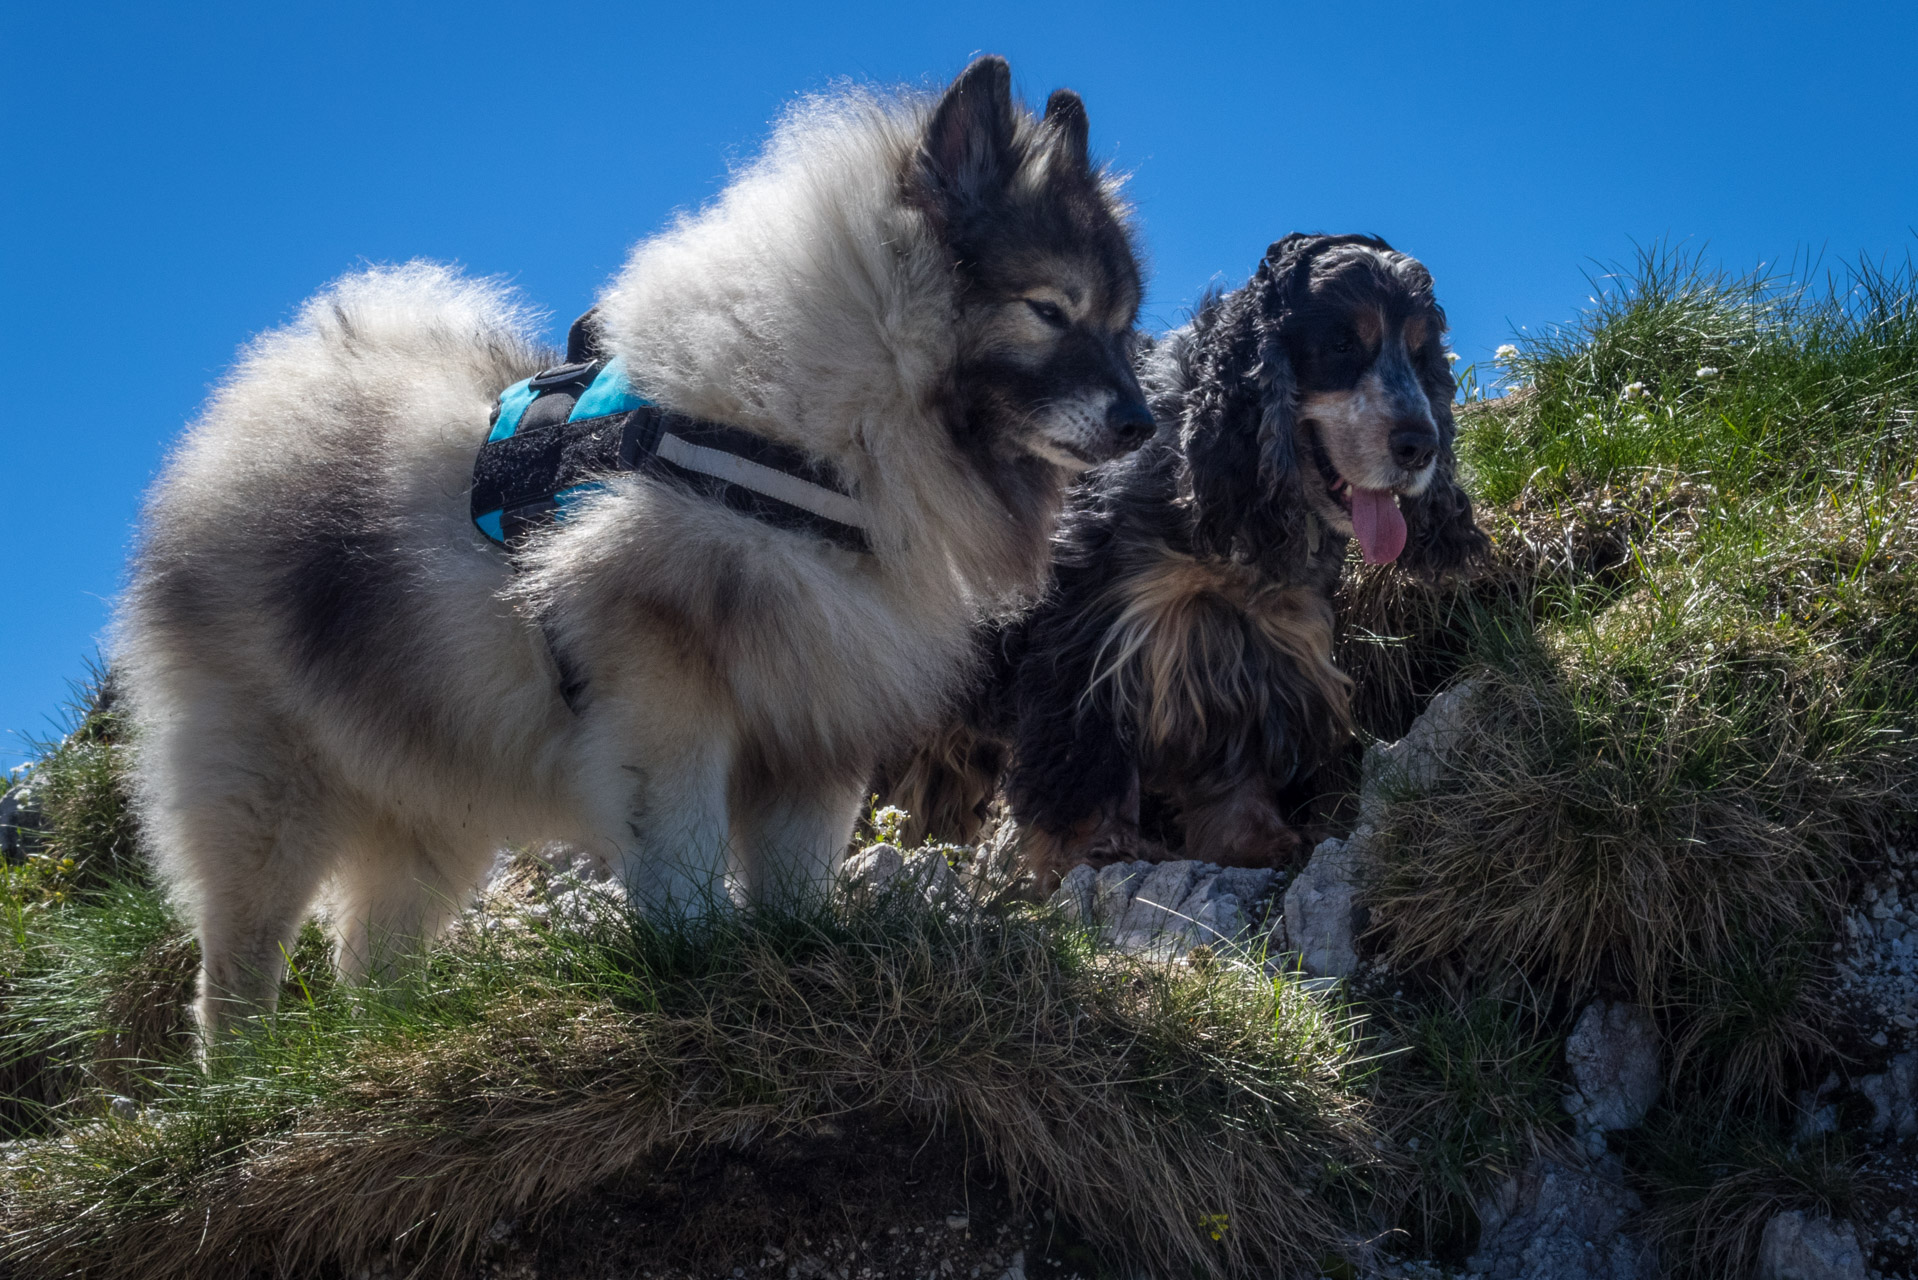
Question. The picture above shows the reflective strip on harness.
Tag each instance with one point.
(730, 467)
(555, 436)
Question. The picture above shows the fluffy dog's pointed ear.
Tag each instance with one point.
(1066, 113)
(966, 155)
(1442, 536)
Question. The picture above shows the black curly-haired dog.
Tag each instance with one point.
(1184, 651)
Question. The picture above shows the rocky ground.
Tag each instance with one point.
(851, 1202)
(1576, 1219)
(849, 1207)
(1877, 985)
(859, 1202)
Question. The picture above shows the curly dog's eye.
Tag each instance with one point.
(1050, 312)
(1343, 346)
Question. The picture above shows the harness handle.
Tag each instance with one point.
(582, 340)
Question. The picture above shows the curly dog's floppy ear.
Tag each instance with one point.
(1441, 535)
(1239, 439)
(1286, 254)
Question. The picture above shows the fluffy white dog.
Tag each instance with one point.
(347, 695)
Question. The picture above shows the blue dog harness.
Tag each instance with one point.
(556, 436)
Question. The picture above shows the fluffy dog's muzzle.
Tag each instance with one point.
(1097, 426)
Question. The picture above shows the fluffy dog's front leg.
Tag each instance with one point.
(791, 839)
(660, 800)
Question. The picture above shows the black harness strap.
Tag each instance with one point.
(559, 435)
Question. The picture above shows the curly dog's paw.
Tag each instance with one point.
(1242, 829)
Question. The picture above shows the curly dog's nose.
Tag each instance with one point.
(1414, 445)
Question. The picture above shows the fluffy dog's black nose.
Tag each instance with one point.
(1132, 422)
(1414, 445)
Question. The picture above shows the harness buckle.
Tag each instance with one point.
(564, 375)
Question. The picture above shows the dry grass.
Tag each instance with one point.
(1746, 1031)
(1147, 1105)
(1582, 852)
(1714, 1189)
(1468, 1089)
(1696, 645)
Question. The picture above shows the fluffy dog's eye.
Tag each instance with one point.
(1049, 312)
(1342, 346)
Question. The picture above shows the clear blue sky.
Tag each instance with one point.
(177, 177)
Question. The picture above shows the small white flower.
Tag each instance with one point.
(1633, 390)
(1451, 357)
(1506, 351)
(1705, 371)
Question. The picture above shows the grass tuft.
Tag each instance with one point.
(1715, 1184)
(101, 992)
(1467, 1088)
(1696, 646)
(1576, 839)
(1146, 1103)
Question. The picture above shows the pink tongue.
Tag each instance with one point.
(1378, 524)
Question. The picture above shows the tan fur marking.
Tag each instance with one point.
(945, 786)
(1370, 326)
(1179, 643)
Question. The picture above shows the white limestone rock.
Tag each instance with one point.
(1073, 897)
(1156, 903)
(996, 867)
(1796, 1246)
(1113, 888)
(1414, 764)
(1165, 909)
(1247, 884)
(1894, 1096)
(1321, 907)
(1217, 921)
(1561, 1222)
(1616, 1063)
(883, 868)
(928, 872)
(872, 869)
